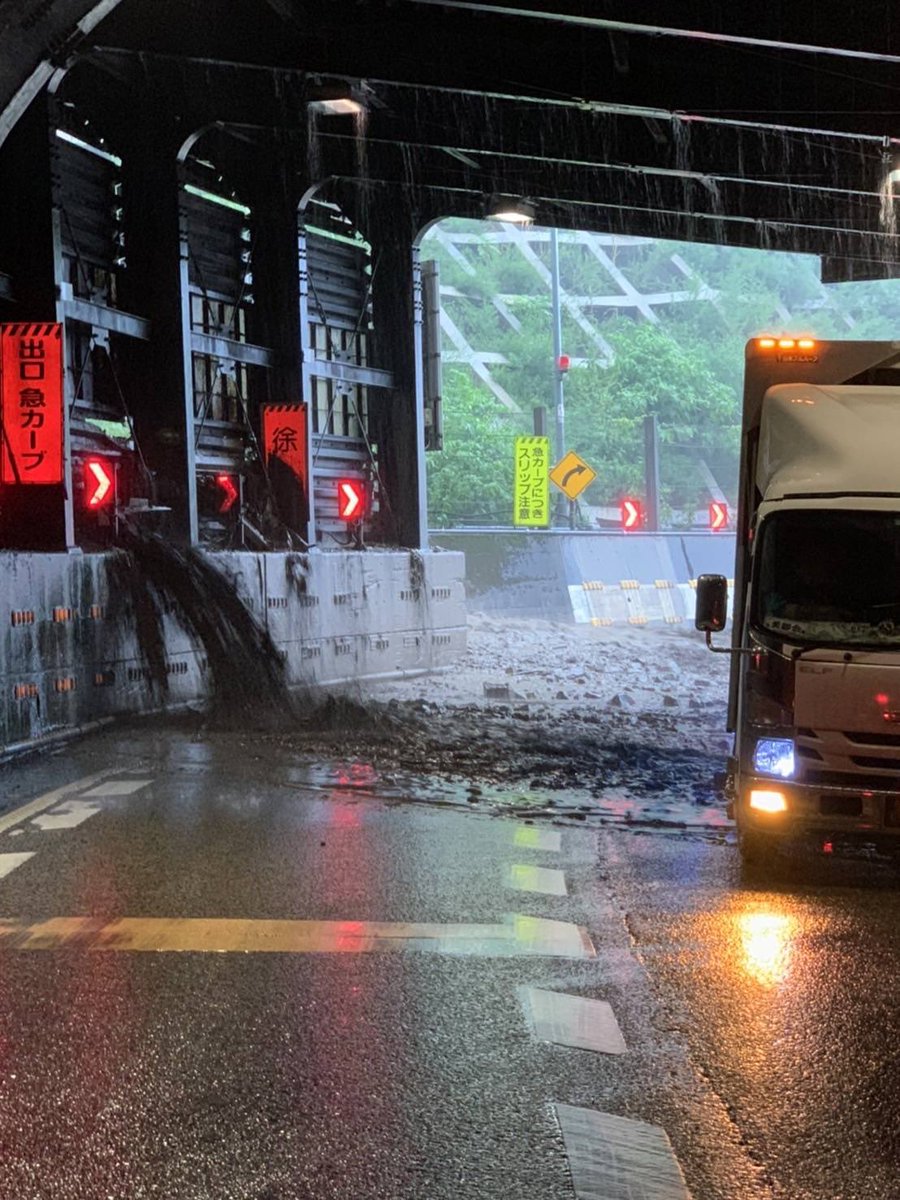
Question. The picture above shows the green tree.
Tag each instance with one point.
(470, 481)
(686, 367)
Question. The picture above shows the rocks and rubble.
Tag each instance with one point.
(542, 720)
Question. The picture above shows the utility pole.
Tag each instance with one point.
(558, 369)
(651, 472)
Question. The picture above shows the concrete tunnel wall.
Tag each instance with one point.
(70, 653)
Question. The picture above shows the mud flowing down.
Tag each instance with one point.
(247, 671)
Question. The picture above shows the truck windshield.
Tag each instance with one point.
(830, 577)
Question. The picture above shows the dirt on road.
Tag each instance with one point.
(540, 719)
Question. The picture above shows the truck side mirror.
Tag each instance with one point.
(711, 614)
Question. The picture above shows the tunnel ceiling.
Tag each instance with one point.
(762, 127)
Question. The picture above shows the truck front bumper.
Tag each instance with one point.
(813, 812)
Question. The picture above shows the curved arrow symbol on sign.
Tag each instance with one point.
(579, 470)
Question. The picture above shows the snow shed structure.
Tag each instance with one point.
(220, 202)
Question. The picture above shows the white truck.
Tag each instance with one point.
(814, 700)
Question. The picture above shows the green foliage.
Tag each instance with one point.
(686, 368)
(470, 482)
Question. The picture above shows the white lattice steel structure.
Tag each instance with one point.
(459, 241)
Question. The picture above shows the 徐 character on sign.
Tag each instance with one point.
(32, 398)
(31, 417)
(284, 440)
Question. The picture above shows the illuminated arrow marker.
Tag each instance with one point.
(351, 500)
(718, 515)
(99, 482)
(632, 514)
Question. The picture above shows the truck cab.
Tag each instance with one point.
(814, 700)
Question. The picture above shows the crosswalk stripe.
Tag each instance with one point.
(616, 1158)
(526, 837)
(572, 1020)
(9, 862)
(547, 880)
(118, 787)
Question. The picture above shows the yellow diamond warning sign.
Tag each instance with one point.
(572, 475)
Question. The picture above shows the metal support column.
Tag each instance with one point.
(273, 197)
(399, 419)
(558, 373)
(155, 285)
(651, 472)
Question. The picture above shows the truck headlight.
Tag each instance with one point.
(774, 756)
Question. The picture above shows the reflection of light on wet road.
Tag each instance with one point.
(767, 940)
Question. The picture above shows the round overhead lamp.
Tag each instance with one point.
(512, 209)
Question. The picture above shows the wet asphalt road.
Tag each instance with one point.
(761, 1023)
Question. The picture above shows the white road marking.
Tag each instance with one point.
(528, 838)
(66, 816)
(9, 862)
(572, 1020)
(546, 880)
(42, 803)
(118, 787)
(614, 1158)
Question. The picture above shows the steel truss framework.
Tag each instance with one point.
(756, 128)
(620, 294)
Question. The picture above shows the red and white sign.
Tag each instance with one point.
(284, 436)
(718, 516)
(31, 404)
(351, 499)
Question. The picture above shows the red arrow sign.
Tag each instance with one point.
(718, 515)
(98, 481)
(229, 492)
(632, 514)
(351, 499)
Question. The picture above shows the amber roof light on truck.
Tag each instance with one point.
(785, 343)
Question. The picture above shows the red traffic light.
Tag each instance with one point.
(229, 492)
(631, 512)
(718, 516)
(351, 499)
(99, 483)
(563, 362)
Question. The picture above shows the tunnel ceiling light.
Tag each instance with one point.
(339, 106)
(512, 209)
(340, 99)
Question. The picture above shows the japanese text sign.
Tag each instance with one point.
(284, 436)
(31, 404)
(532, 481)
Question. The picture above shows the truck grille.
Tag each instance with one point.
(830, 758)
